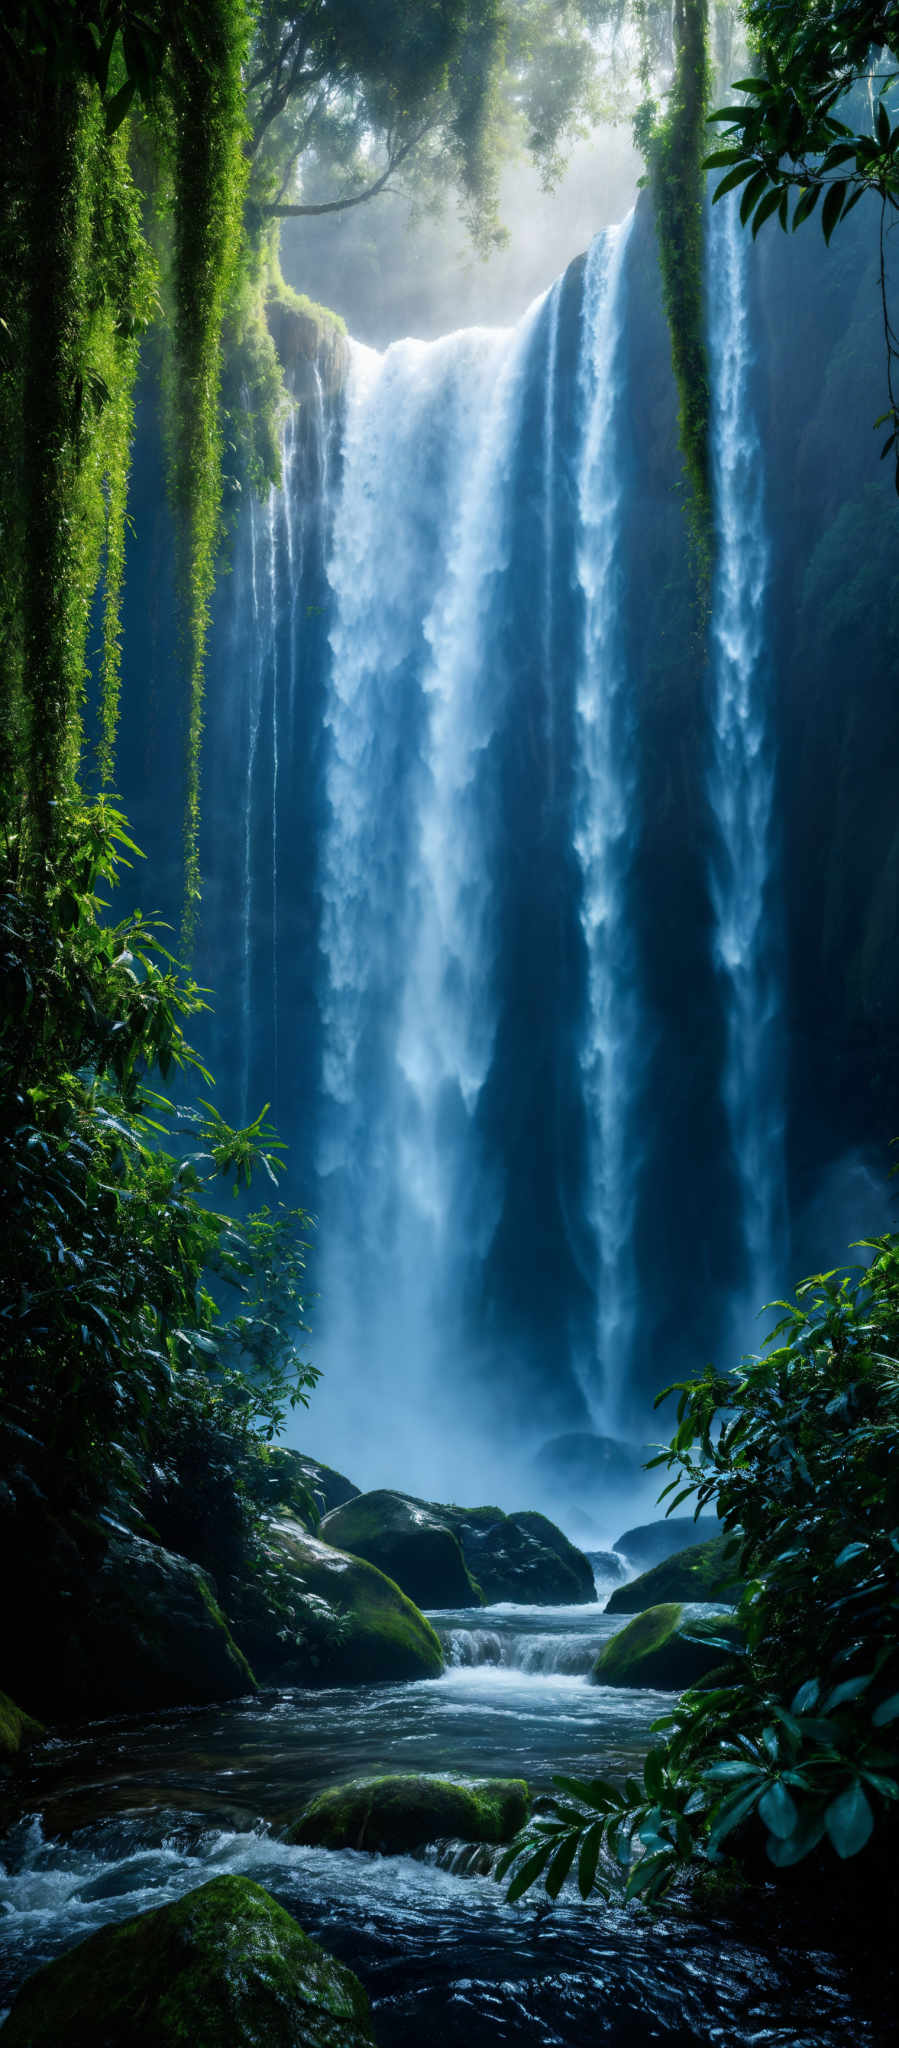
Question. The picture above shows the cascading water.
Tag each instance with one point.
(605, 832)
(415, 698)
(444, 679)
(742, 772)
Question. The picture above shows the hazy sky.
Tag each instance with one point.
(390, 276)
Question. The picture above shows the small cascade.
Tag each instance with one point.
(742, 772)
(538, 1655)
(605, 831)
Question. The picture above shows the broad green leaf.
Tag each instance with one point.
(778, 1810)
(528, 1873)
(887, 1711)
(833, 207)
(588, 1859)
(849, 1821)
(807, 1697)
(735, 178)
(561, 1864)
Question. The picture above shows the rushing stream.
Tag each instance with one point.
(124, 1816)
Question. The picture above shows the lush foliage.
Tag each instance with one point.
(118, 1271)
(795, 1744)
(817, 125)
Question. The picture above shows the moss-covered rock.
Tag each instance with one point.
(17, 1730)
(307, 338)
(329, 1488)
(410, 1541)
(353, 1624)
(521, 1557)
(651, 1542)
(705, 1571)
(225, 1967)
(660, 1650)
(390, 1816)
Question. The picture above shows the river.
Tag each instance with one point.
(125, 1815)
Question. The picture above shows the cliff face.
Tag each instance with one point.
(832, 615)
(309, 339)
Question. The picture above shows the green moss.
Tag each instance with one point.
(704, 1571)
(390, 1816)
(17, 1730)
(407, 1540)
(225, 1967)
(215, 1613)
(385, 1636)
(674, 148)
(658, 1649)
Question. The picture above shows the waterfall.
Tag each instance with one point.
(742, 773)
(605, 832)
(437, 802)
(414, 702)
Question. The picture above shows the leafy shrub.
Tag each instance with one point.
(796, 1745)
(116, 1267)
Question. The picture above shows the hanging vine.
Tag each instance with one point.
(674, 147)
(208, 177)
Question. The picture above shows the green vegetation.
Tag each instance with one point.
(786, 139)
(674, 146)
(661, 1648)
(391, 1816)
(795, 1747)
(705, 1571)
(380, 1634)
(224, 1964)
(17, 1730)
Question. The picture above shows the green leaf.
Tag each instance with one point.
(851, 1550)
(654, 1774)
(561, 1864)
(765, 208)
(720, 157)
(887, 1711)
(118, 106)
(851, 1689)
(807, 1697)
(833, 207)
(528, 1873)
(754, 190)
(588, 1858)
(734, 1810)
(784, 1850)
(806, 204)
(778, 1811)
(645, 1874)
(735, 178)
(849, 1821)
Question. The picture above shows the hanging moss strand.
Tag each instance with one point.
(675, 149)
(209, 176)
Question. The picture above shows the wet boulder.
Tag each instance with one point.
(128, 1628)
(412, 1541)
(521, 1557)
(652, 1542)
(666, 1651)
(706, 1571)
(391, 1816)
(17, 1730)
(331, 1618)
(329, 1489)
(224, 1965)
